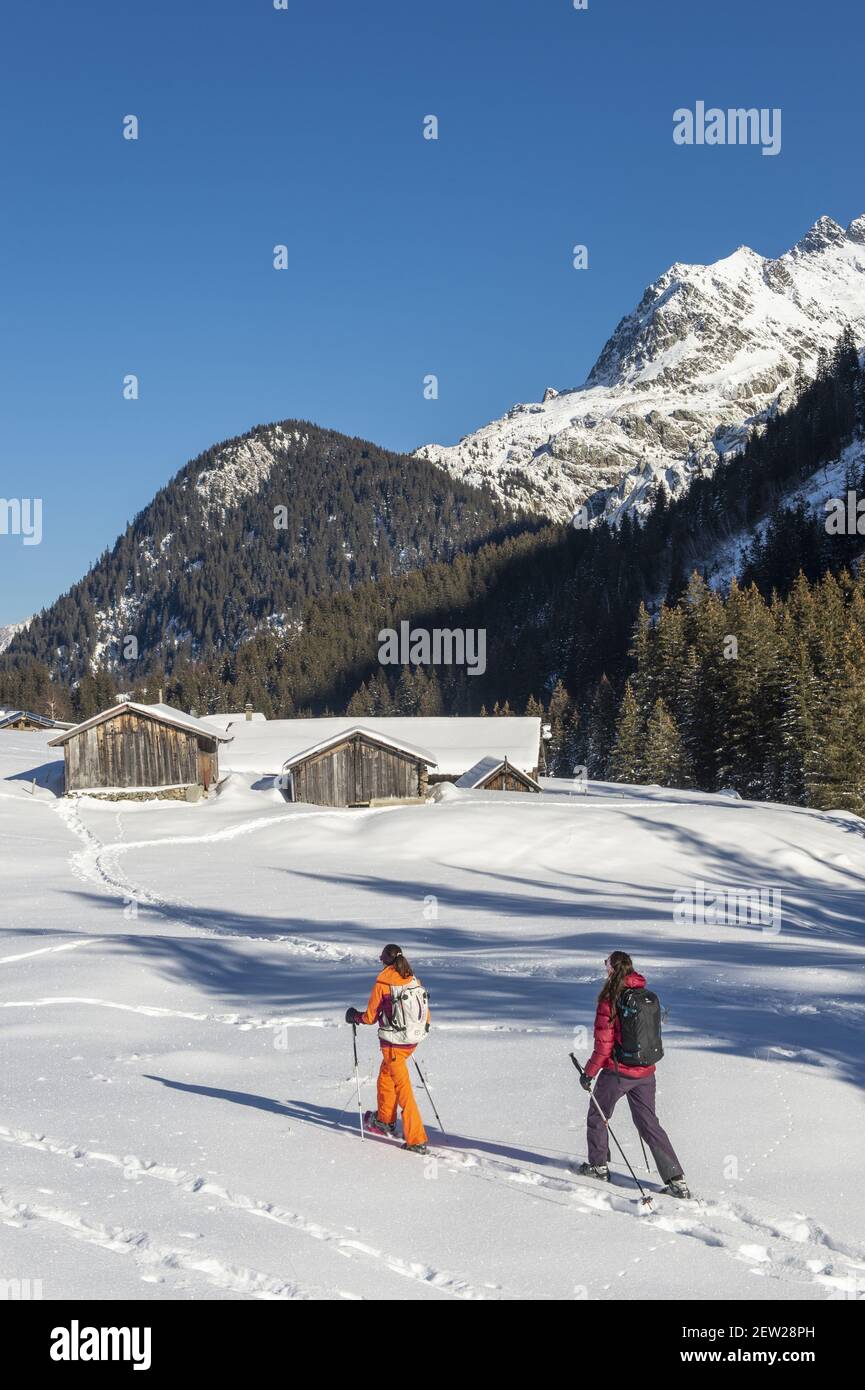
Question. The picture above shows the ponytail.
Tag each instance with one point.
(622, 965)
(395, 959)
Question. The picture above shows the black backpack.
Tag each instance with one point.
(639, 1012)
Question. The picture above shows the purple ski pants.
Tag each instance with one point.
(640, 1091)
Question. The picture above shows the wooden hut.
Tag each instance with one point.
(356, 767)
(497, 775)
(25, 721)
(141, 750)
(455, 743)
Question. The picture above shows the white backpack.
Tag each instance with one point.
(408, 1015)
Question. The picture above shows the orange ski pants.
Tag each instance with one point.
(394, 1089)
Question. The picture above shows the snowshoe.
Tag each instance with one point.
(677, 1187)
(592, 1170)
(377, 1126)
(416, 1148)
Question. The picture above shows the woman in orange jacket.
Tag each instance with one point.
(403, 1019)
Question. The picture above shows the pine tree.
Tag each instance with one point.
(626, 760)
(601, 733)
(361, 702)
(564, 725)
(836, 767)
(664, 758)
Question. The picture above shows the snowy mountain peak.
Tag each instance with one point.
(707, 353)
(10, 631)
(825, 232)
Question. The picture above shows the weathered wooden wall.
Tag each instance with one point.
(130, 750)
(357, 770)
(507, 781)
(24, 725)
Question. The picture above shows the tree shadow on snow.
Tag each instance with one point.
(487, 985)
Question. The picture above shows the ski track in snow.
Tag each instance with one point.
(87, 866)
(245, 1281)
(791, 1247)
(245, 1022)
(777, 1247)
(789, 1118)
(147, 1254)
(801, 1248)
(46, 950)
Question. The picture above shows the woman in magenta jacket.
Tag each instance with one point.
(616, 1080)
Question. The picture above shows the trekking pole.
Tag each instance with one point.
(647, 1201)
(429, 1093)
(357, 1078)
(645, 1155)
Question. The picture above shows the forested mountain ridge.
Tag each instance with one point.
(243, 536)
(560, 606)
(603, 631)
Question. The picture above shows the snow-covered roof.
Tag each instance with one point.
(9, 716)
(166, 714)
(454, 744)
(486, 768)
(225, 721)
(479, 773)
(336, 738)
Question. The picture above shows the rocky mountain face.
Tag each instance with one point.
(708, 353)
(9, 632)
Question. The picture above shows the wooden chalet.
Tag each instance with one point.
(356, 767)
(25, 721)
(497, 775)
(452, 743)
(133, 750)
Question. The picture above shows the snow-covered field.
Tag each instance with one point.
(178, 1114)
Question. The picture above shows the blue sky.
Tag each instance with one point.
(407, 256)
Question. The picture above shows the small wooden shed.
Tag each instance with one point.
(141, 750)
(497, 775)
(356, 767)
(25, 721)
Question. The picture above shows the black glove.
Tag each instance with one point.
(352, 1016)
(586, 1083)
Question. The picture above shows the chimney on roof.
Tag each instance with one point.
(247, 709)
